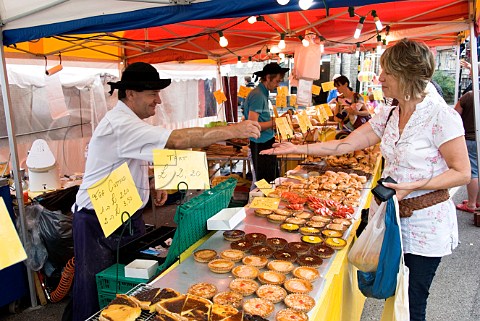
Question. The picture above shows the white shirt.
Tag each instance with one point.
(415, 156)
(121, 136)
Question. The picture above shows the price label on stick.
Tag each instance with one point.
(264, 186)
(12, 249)
(328, 110)
(282, 91)
(173, 167)
(219, 96)
(284, 128)
(112, 195)
(304, 122)
(269, 203)
(244, 91)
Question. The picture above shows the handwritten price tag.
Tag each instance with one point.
(282, 91)
(304, 122)
(328, 110)
(112, 195)
(244, 91)
(316, 90)
(281, 101)
(284, 128)
(219, 96)
(265, 187)
(173, 167)
(293, 100)
(327, 86)
(269, 203)
(12, 249)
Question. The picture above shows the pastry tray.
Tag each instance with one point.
(144, 316)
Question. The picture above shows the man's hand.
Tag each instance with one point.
(280, 149)
(246, 129)
(159, 197)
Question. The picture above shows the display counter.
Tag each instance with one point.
(335, 292)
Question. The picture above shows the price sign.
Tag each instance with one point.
(112, 195)
(12, 250)
(304, 122)
(322, 114)
(172, 167)
(264, 186)
(327, 86)
(219, 96)
(244, 91)
(293, 100)
(269, 203)
(378, 94)
(282, 91)
(328, 110)
(281, 101)
(316, 90)
(282, 126)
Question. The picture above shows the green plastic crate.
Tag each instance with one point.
(107, 280)
(104, 298)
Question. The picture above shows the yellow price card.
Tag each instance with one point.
(264, 186)
(184, 169)
(284, 128)
(327, 86)
(275, 111)
(112, 195)
(281, 101)
(328, 110)
(378, 94)
(293, 100)
(316, 90)
(322, 114)
(12, 249)
(268, 203)
(282, 91)
(244, 91)
(304, 122)
(219, 96)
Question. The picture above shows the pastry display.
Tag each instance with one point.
(322, 251)
(289, 227)
(276, 218)
(284, 255)
(232, 255)
(331, 233)
(336, 227)
(284, 212)
(271, 277)
(306, 272)
(241, 245)
(245, 287)
(297, 247)
(233, 235)
(228, 298)
(262, 250)
(309, 260)
(291, 315)
(221, 266)
(299, 302)
(258, 306)
(319, 218)
(315, 224)
(220, 312)
(256, 238)
(245, 271)
(204, 256)
(307, 230)
(262, 212)
(281, 266)
(342, 221)
(256, 261)
(298, 285)
(296, 220)
(336, 243)
(312, 239)
(120, 309)
(202, 289)
(272, 293)
(276, 243)
(303, 215)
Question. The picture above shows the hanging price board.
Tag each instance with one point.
(304, 122)
(281, 101)
(112, 195)
(282, 126)
(282, 91)
(219, 96)
(378, 94)
(293, 100)
(316, 90)
(268, 203)
(244, 91)
(327, 86)
(173, 167)
(12, 250)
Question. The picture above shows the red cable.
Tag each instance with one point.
(65, 282)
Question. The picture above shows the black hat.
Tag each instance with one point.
(140, 76)
(271, 69)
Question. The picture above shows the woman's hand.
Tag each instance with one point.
(401, 189)
(159, 197)
(280, 149)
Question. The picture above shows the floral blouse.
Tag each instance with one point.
(414, 156)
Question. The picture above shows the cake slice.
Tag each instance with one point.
(144, 299)
(196, 308)
(172, 305)
(122, 308)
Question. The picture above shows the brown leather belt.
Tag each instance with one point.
(407, 206)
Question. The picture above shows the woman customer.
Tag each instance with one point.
(350, 110)
(422, 141)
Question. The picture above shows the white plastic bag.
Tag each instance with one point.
(365, 251)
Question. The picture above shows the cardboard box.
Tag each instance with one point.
(141, 269)
(226, 219)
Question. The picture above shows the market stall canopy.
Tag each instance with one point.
(182, 30)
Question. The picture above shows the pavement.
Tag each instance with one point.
(454, 294)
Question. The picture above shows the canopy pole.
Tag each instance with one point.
(457, 74)
(12, 142)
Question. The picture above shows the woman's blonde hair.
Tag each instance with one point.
(412, 63)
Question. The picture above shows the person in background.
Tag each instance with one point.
(465, 107)
(332, 94)
(350, 110)
(123, 136)
(256, 108)
(422, 141)
(248, 82)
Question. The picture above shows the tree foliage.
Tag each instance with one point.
(447, 83)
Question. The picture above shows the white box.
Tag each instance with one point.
(226, 219)
(141, 269)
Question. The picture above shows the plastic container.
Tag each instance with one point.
(107, 280)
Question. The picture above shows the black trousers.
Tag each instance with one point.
(265, 166)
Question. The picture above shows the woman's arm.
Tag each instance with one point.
(456, 156)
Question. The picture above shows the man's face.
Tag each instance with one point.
(144, 103)
(273, 81)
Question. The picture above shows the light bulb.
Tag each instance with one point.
(305, 4)
(223, 41)
(357, 51)
(282, 44)
(283, 2)
(239, 61)
(305, 42)
(249, 63)
(252, 19)
(378, 23)
(275, 49)
(322, 47)
(281, 55)
(356, 35)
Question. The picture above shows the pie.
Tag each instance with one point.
(300, 302)
(256, 261)
(122, 308)
(204, 290)
(196, 308)
(271, 277)
(291, 315)
(316, 224)
(220, 312)
(232, 255)
(336, 227)
(342, 221)
(262, 212)
(284, 255)
(281, 266)
(233, 235)
(297, 247)
(273, 293)
(296, 220)
(289, 227)
(144, 299)
(256, 238)
(245, 271)
(251, 317)
(276, 243)
(331, 233)
(241, 245)
(204, 256)
(306, 272)
(258, 306)
(281, 211)
(298, 285)
(262, 250)
(276, 218)
(307, 230)
(312, 239)
(245, 287)
(336, 243)
(320, 218)
(172, 305)
(322, 251)
(220, 266)
(304, 215)
(309, 260)
(228, 298)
